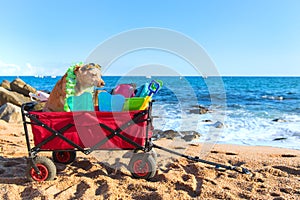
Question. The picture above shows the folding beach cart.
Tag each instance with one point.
(65, 133)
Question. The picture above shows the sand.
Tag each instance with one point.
(275, 173)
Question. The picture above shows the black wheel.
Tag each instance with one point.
(142, 165)
(47, 170)
(65, 157)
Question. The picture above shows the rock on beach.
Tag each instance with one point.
(16, 92)
(5, 84)
(12, 96)
(7, 96)
(18, 85)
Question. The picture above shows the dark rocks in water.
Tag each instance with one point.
(194, 111)
(171, 134)
(155, 134)
(200, 110)
(278, 120)
(203, 110)
(296, 134)
(282, 138)
(190, 136)
(218, 124)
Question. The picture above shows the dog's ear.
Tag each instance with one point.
(76, 69)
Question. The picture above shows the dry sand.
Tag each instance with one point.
(275, 174)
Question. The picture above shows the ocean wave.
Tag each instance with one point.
(240, 127)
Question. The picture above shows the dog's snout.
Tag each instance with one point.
(101, 83)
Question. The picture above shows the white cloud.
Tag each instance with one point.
(32, 70)
(29, 69)
(7, 69)
(46, 70)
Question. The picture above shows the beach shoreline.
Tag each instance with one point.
(275, 173)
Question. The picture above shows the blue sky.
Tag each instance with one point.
(242, 37)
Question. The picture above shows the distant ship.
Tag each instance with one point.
(39, 76)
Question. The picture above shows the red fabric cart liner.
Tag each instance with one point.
(87, 132)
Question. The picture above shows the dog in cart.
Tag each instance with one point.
(82, 78)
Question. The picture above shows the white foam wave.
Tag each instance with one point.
(240, 127)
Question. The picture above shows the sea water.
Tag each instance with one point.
(251, 110)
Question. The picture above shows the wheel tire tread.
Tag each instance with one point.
(151, 162)
(47, 163)
(72, 157)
